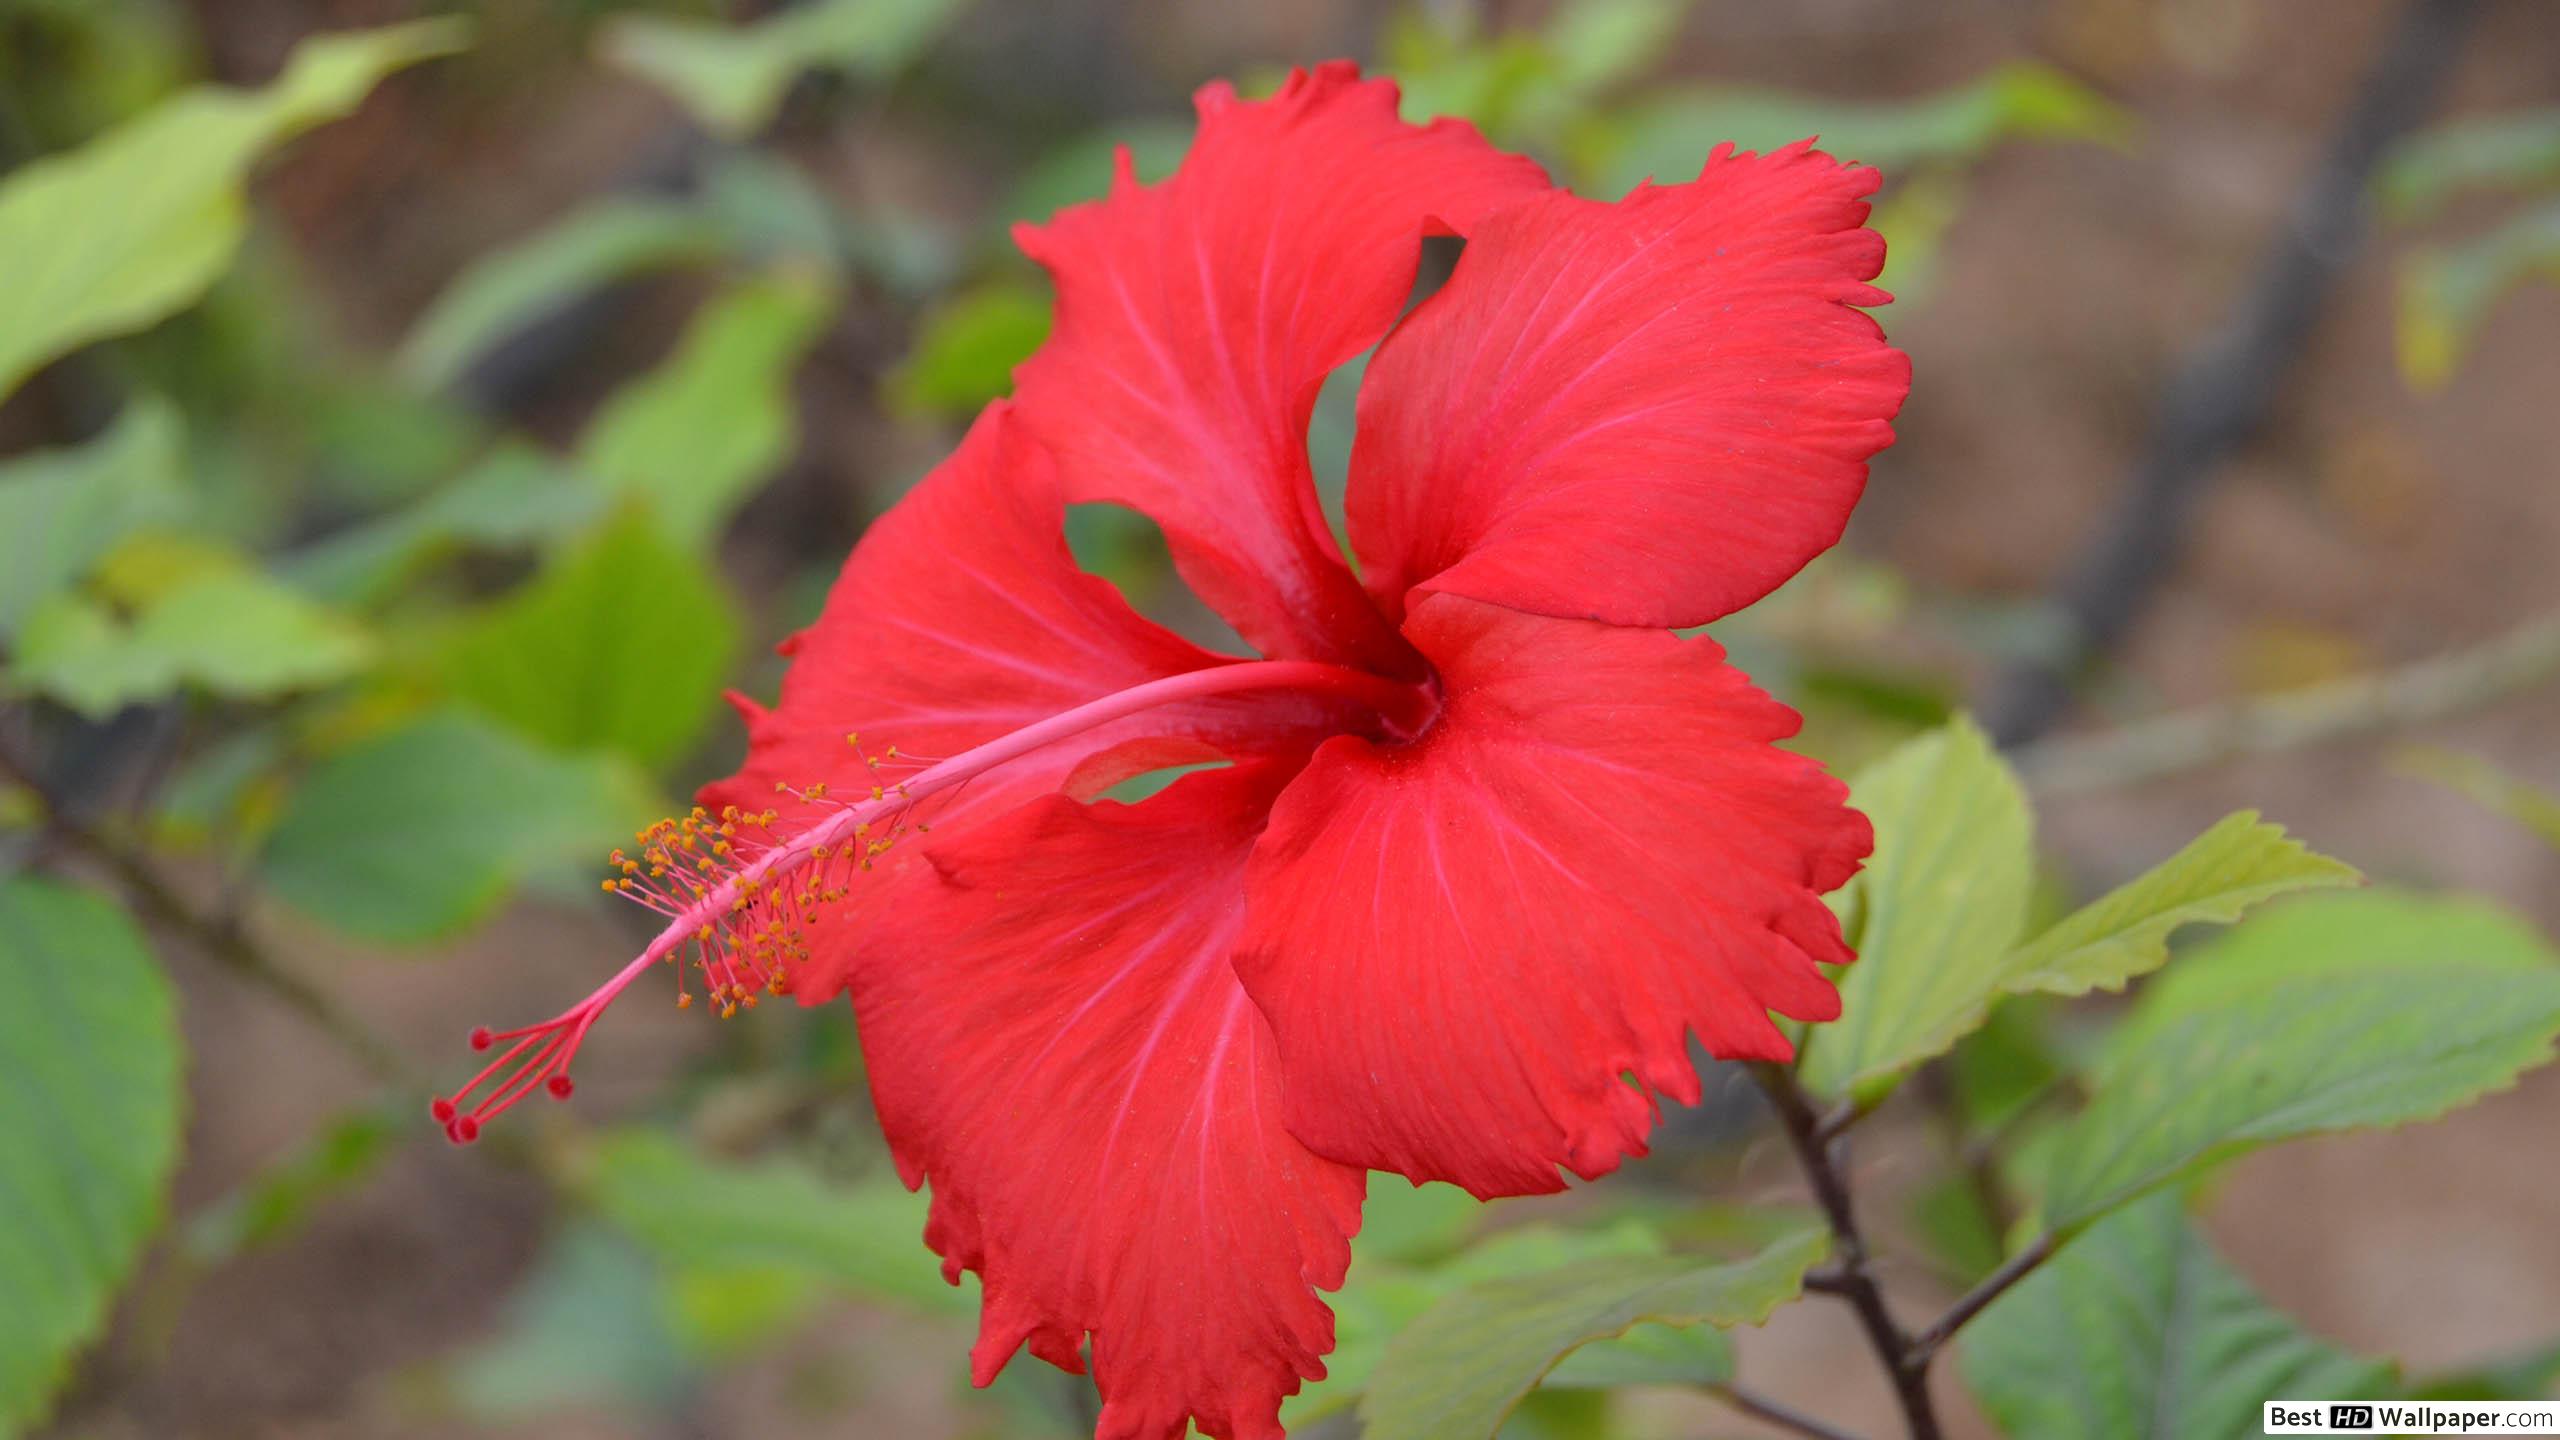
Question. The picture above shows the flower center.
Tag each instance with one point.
(739, 895)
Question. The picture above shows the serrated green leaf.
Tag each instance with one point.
(2334, 1012)
(223, 629)
(733, 78)
(1461, 1368)
(620, 644)
(114, 235)
(90, 1100)
(2140, 1330)
(696, 1213)
(695, 435)
(1668, 137)
(967, 347)
(2238, 863)
(416, 833)
(1936, 910)
(62, 509)
(506, 290)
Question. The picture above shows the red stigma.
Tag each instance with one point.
(442, 1110)
(481, 1039)
(560, 1086)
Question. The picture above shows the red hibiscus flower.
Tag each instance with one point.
(1490, 842)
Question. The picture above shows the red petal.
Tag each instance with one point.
(1198, 318)
(962, 616)
(1058, 1044)
(1465, 943)
(1649, 413)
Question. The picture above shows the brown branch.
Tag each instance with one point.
(1784, 1417)
(1925, 1345)
(2511, 664)
(1852, 1268)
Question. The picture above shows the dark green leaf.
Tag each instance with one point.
(966, 350)
(589, 1327)
(621, 645)
(2138, 1330)
(90, 1065)
(506, 290)
(733, 78)
(416, 833)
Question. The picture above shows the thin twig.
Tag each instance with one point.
(227, 944)
(2514, 663)
(1784, 1417)
(1852, 1263)
(2222, 393)
(1927, 1343)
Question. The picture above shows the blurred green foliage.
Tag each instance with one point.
(2448, 290)
(420, 653)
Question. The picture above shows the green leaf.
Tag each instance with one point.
(2238, 863)
(114, 235)
(621, 644)
(2335, 1012)
(1646, 1355)
(516, 497)
(62, 509)
(280, 1197)
(590, 1326)
(1934, 912)
(967, 347)
(2139, 1330)
(1461, 1368)
(699, 432)
(1668, 138)
(1081, 169)
(505, 291)
(733, 78)
(2447, 292)
(224, 629)
(414, 834)
(2513, 151)
(90, 1100)
(695, 1212)
(1384, 1295)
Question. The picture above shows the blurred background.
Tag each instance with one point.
(403, 446)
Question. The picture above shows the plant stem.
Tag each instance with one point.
(1776, 1414)
(1854, 1267)
(2518, 661)
(1925, 1346)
